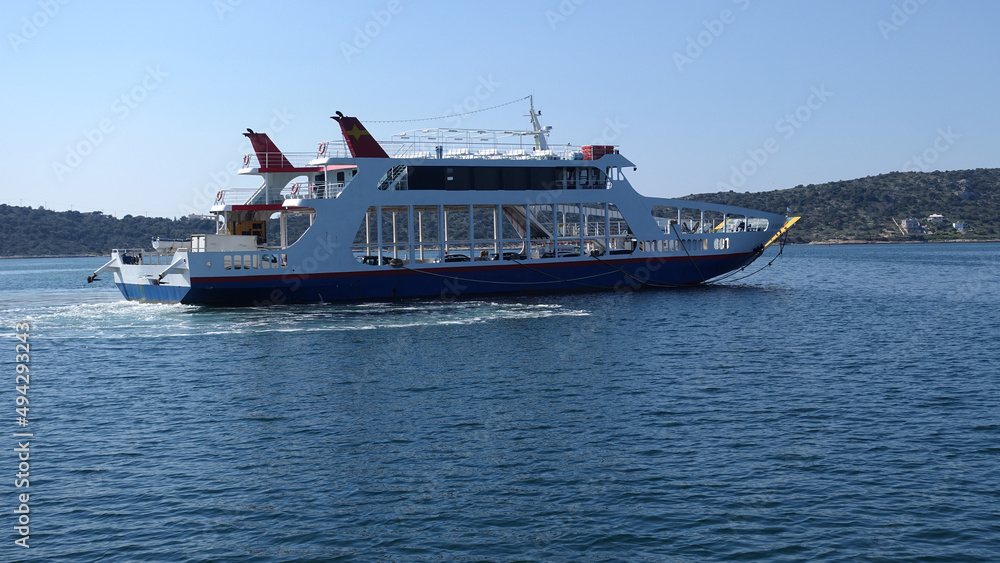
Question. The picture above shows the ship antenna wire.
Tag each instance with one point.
(450, 115)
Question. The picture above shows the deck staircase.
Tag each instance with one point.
(394, 179)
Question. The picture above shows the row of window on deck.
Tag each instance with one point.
(476, 232)
(254, 261)
(496, 178)
(520, 231)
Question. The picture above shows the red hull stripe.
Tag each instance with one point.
(264, 207)
(299, 170)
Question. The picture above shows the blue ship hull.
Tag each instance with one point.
(594, 274)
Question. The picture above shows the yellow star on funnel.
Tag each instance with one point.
(357, 133)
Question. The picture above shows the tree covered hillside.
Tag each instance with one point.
(864, 209)
(26, 231)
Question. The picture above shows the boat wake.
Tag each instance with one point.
(116, 319)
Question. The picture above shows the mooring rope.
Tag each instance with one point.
(781, 249)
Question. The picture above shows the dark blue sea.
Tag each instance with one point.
(841, 405)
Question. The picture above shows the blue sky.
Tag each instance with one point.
(137, 107)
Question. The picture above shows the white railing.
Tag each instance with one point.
(450, 143)
(423, 148)
(464, 144)
(296, 190)
(141, 257)
(593, 229)
(328, 149)
(480, 143)
(234, 196)
(333, 149)
(314, 190)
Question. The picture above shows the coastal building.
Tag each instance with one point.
(935, 218)
(960, 227)
(912, 227)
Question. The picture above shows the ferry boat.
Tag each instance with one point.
(441, 213)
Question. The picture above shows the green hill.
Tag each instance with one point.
(26, 231)
(864, 209)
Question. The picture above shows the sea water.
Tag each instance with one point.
(842, 404)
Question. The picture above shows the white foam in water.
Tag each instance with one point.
(104, 315)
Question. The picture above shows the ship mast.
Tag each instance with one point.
(540, 142)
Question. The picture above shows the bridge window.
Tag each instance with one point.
(493, 178)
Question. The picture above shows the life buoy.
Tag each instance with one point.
(246, 159)
(322, 149)
(218, 196)
(295, 188)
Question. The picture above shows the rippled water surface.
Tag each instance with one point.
(841, 405)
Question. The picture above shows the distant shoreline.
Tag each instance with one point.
(25, 256)
(845, 242)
